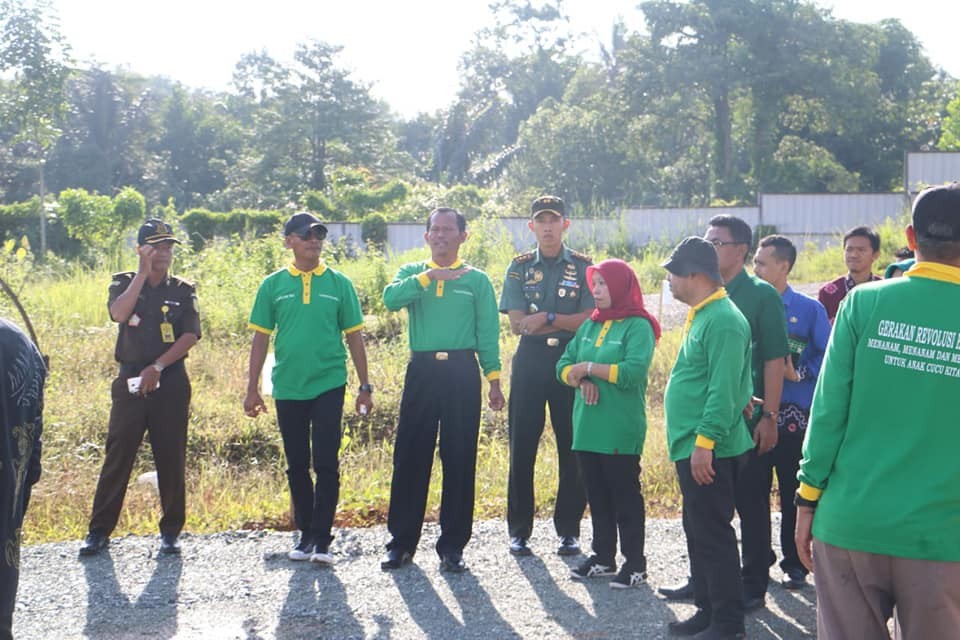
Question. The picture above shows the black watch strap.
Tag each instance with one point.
(367, 387)
(800, 501)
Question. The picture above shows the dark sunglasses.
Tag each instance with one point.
(319, 234)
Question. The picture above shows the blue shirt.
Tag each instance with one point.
(808, 330)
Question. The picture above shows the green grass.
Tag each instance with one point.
(235, 465)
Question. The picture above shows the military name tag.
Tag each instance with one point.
(166, 332)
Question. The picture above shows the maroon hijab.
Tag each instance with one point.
(626, 298)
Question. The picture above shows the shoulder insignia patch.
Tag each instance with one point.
(525, 257)
(829, 288)
(581, 256)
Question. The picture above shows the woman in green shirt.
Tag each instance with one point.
(608, 360)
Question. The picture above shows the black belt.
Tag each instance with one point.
(441, 356)
(544, 341)
(132, 369)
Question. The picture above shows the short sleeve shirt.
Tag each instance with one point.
(762, 306)
(310, 312)
(141, 339)
(833, 293)
(534, 283)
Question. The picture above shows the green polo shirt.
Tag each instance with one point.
(535, 283)
(617, 424)
(762, 306)
(710, 382)
(310, 311)
(448, 315)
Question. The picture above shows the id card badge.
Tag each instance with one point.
(166, 332)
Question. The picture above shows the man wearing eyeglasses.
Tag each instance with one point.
(311, 307)
(762, 306)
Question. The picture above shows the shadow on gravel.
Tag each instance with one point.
(316, 606)
(431, 614)
(109, 608)
(561, 608)
(798, 617)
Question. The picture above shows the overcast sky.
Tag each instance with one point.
(408, 51)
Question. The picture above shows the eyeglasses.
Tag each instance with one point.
(721, 243)
(319, 234)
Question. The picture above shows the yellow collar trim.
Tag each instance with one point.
(713, 297)
(455, 265)
(317, 272)
(935, 271)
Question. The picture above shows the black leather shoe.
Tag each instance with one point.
(700, 621)
(453, 563)
(753, 603)
(395, 559)
(683, 592)
(794, 580)
(94, 544)
(518, 547)
(169, 544)
(569, 546)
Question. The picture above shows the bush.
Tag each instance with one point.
(373, 230)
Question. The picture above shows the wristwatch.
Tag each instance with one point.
(770, 414)
(157, 367)
(551, 316)
(367, 387)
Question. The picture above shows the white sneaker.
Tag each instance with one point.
(302, 551)
(321, 557)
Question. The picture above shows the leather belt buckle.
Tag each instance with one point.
(441, 355)
(553, 342)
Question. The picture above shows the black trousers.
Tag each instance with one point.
(785, 458)
(164, 414)
(533, 386)
(444, 395)
(753, 505)
(314, 505)
(616, 503)
(712, 541)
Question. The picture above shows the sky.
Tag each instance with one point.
(406, 51)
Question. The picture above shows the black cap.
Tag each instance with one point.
(936, 213)
(694, 255)
(300, 222)
(552, 204)
(155, 231)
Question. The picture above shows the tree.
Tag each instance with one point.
(33, 49)
(950, 136)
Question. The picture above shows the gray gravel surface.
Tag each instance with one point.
(240, 584)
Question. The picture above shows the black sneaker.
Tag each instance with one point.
(519, 547)
(593, 568)
(302, 551)
(169, 544)
(569, 546)
(794, 579)
(627, 578)
(94, 544)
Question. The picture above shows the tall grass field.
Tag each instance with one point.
(235, 465)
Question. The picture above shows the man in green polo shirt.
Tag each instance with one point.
(708, 387)
(762, 306)
(453, 321)
(311, 307)
(879, 496)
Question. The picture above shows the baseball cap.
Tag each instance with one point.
(694, 255)
(300, 222)
(155, 231)
(552, 204)
(936, 213)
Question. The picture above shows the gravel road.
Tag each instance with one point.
(239, 584)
